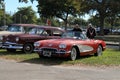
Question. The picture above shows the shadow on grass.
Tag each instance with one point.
(34, 59)
(49, 61)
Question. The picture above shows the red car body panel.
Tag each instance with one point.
(88, 46)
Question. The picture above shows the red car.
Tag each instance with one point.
(73, 44)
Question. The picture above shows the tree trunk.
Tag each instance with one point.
(65, 24)
(102, 25)
(111, 27)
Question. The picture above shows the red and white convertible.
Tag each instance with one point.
(73, 44)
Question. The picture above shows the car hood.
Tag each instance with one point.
(8, 32)
(56, 42)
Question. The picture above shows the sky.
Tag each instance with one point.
(12, 5)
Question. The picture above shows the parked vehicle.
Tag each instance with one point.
(116, 31)
(3, 28)
(105, 31)
(72, 44)
(25, 42)
(15, 29)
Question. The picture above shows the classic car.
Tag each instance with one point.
(73, 44)
(15, 29)
(25, 42)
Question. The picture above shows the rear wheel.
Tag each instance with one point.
(28, 48)
(73, 54)
(99, 51)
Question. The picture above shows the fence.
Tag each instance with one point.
(112, 40)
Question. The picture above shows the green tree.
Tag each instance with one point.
(1, 1)
(25, 1)
(94, 20)
(5, 18)
(25, 15)
(102, 8)
(63, 8)
(56, 8)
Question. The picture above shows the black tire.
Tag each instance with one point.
(28, 48)
(99, 51)
(73, 54)
(41, 56)
(11, 50)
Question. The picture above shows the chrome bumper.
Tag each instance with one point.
(40, 51)
(10, 45)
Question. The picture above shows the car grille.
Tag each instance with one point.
(50, 50)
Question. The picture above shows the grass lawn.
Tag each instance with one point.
(110, 57)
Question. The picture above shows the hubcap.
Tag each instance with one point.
(27, 48)
(73, 54)
(99, 51)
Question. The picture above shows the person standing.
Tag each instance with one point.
(91, 32)
(77, 28)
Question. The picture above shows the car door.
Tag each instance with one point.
(88, 45)
(92, 44)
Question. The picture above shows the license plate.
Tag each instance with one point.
(47, 53)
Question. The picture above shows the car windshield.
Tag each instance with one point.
(74, 34)
(13, 28)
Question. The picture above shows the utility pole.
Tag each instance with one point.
(4, 14)
(20, 15)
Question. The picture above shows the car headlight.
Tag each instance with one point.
(36, 44)
(17, 39)
(1, 38)
(62, 46)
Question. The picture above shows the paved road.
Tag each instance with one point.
(12, 70)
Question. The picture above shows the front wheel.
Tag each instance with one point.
(28, 48)
(73, 54)
(99, 51)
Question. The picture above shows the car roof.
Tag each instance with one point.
(50, 27)
(38, 26)
(24, 25)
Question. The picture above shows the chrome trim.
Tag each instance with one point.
(104, 47)
(57, 51)
(7, 42)
(37, 50)
(11, 45)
